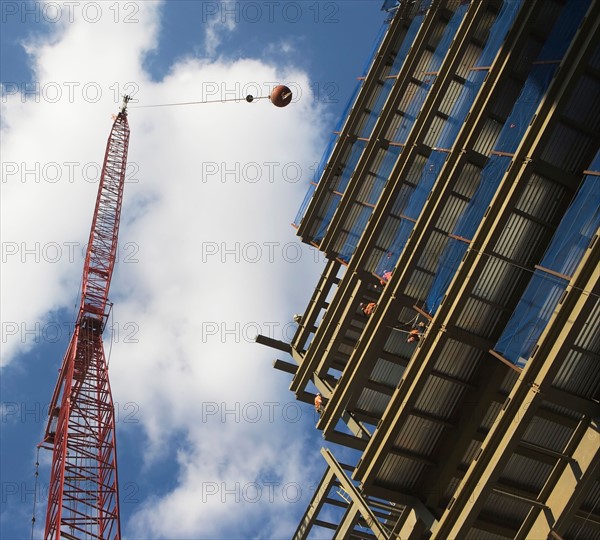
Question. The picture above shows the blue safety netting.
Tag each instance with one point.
(334, 137)
(449, 133)
(416, 103)
(391, 155)
(536, 85)
(364, 212)
(394, 70)
(413, 204)
(315, 179)
(359, 225)
(388, 5)
(569, 243)
(334, 199)
(382, 174)
(316, 176)
(375, 49)
(422, 7)
(305, 202)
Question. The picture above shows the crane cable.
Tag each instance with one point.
(249, 98)
(112, 331)
(35, 490)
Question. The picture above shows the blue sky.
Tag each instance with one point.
(211, 444)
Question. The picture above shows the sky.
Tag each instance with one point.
(211, 444)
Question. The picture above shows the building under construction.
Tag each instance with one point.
(455, 331)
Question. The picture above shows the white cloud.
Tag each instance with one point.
(266, 487)
(282, 47)
(220, 20)
(207, 253)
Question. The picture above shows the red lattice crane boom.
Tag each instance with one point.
(83, 497)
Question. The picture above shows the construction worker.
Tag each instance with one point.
(369, 308)
(385, 278)
(413, 335)
(319, 403)
(416, 333)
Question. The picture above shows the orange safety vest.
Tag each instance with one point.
(318, 402)
(369, 308)
(413, 335)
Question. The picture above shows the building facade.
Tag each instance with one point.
(455, 331)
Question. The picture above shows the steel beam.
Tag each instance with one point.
(357, 499)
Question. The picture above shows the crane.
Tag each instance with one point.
(83, 495)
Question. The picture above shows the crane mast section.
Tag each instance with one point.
(99, 260)
(83, 499)
(102, 245)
